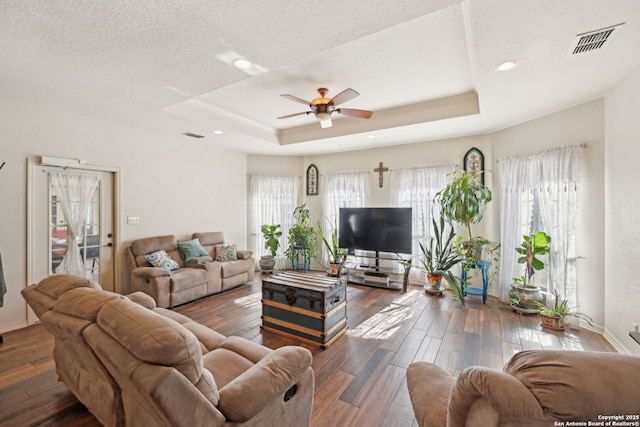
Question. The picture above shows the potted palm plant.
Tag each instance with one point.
(464, 201)
(439, 257)
(271, 236)
(524, 294)
(335, 253)
(553, 315)
(302, 237)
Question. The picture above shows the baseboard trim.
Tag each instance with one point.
(14, 326)
(615, 343)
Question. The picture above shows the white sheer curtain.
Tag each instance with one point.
(539, 192)
(342, 190)
(74, 192)
(416, 188)
(274, 198)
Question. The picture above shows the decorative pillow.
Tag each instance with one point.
(161, 259)
(226, 252)
(192, 249)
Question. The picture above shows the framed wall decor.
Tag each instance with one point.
(474, 162)
(312, 180)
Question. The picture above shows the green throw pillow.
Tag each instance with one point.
(226, 252)
(161, 259)
(192, 249)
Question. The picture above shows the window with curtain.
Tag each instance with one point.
(539, 192)
(416, 188)
(342, 190)
(273, 200)
(74, 195)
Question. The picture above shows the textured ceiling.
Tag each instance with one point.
(426, 68)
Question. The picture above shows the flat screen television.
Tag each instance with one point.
(376, 229)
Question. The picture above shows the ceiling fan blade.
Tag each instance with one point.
(363, 114)
(294, 115)
(295, 98)
(326, 123)
(344, 96)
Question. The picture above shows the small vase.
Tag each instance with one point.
(552, 322)
(527, 295)
(434, 281)
(267, 263)
(334, 269)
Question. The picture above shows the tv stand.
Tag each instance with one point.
(376, 275)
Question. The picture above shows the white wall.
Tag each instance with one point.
(622, 207)
(175, 185)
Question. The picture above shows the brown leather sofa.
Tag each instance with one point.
(195, 279)
(134, 364)
(536, 388)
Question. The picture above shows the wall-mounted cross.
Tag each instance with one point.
(380, 169)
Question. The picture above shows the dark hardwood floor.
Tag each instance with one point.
(360, 379)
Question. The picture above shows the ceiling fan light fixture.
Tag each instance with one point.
(323, 116)
(326, 123)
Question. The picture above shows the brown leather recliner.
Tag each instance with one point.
(536, 388)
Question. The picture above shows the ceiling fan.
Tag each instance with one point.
(323, 107)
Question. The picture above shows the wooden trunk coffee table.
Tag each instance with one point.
(307, 307)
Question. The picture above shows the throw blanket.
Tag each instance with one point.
(3, 286)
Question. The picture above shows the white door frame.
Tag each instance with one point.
(31, 164)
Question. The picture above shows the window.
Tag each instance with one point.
(539, 192)
(416, 188)
(342, 190)
(273, 198)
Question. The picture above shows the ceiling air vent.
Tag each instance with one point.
(593, 40)
(193, 135)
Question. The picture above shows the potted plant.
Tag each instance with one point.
(302, 237)
(553, 315)
(271, 236)
(336, 254)
(464, 201)
(439, 257)
(524, 294)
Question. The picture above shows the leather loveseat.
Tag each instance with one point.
(134, 364)
(539, 388)
(190, 279)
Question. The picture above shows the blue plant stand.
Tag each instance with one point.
(298, 253)
(481, 265)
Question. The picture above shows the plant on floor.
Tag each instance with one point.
(439, 257)
(553, 315)
(335, 253)
(524, 294)
(302, 235)
(464, 201)
(271, 236)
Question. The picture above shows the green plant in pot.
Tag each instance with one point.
(302, 236)
(336, 254)
(439, 257)
(553, 315)
(524, 294)
(271, 234)
(464, 201)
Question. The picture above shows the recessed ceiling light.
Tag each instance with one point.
(506, 65)
(242, 63)
(218, 132)
(371, 136)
